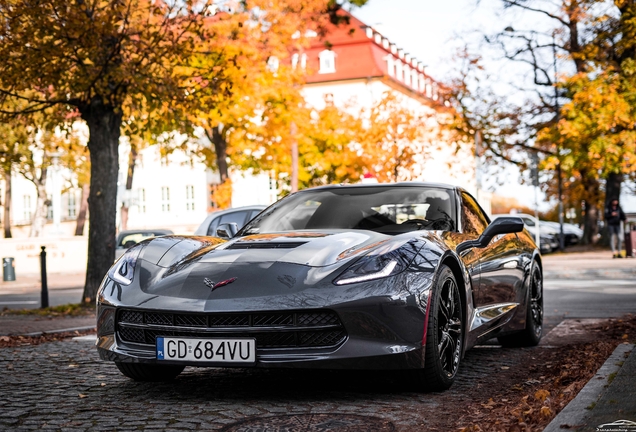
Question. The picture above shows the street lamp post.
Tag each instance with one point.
(558, 148)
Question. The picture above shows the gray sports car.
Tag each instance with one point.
(403, 277)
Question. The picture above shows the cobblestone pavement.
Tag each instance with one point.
(65, 386)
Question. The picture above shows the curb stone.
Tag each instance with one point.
(51, 332)
(575, 413)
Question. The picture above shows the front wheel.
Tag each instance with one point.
(531, 335)
(443, 335)
(149, 372)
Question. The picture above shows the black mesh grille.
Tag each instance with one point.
(190, 320)
(267, 320)
(317, 319)
(132, 317)
(229, 320)
(289, 329)
(132, 335)
(158, 318)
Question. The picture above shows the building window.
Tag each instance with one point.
(390, 65)
(303, 61)
(398, 70)
(272, 64)
(165, 199)
(407, 75)
(141, 200)
(71, 205)
(327, 62)
(190, 198)
(294, 60)
(26, 206)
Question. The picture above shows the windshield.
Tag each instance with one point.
(389, 210)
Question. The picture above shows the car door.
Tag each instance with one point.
(501, 268)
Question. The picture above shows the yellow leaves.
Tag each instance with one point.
(87, 62)
(541, 395)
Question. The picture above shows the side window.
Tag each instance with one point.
(474, 222)
(236, 217)
(212, 227)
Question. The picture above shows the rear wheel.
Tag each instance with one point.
(531, 335)
(150, 372)
(443, 335)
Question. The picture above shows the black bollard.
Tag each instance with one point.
(45, 288)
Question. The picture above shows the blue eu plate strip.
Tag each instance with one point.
(160, 348)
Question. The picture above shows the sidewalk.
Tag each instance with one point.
(32, 282)
(608, 400)
(588, 265)
(30, 325)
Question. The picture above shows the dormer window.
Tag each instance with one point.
(327, 62)
(272, 64)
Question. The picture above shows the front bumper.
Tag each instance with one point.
(377, 333)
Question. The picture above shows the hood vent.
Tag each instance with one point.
(265, 245)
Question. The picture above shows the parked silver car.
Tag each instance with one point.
(129, 238)
(238, 215)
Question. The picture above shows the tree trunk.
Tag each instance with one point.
(592, 201)
(39, 216)
(216, 136)
(104, 124)
(81, 216)
(123, 212)
(7, 205)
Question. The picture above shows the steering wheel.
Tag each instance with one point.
(419, 222)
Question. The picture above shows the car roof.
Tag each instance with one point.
(385, 185)
(216, 213)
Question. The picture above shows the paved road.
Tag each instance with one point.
(32, 299)
(589, 298)
(64, 386)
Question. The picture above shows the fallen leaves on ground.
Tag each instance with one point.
(555, 381)
(14, 341)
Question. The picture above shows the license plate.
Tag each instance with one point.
(207, 350)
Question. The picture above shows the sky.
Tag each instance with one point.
(431, 30)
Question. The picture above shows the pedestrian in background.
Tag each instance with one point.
(614, 215)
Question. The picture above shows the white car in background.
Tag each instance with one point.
(549, 237)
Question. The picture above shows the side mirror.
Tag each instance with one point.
(227, 230)
(502, 225)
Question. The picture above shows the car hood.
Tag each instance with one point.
(208, 273)
(309, 248)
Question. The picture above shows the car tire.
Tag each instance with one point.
(149, 372)
(531, 334)
(444, 335)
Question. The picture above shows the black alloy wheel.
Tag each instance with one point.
(531, 334)
(444, 335)
(449, 327)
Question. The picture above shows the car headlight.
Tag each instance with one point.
(380, 263)
(123, 270)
